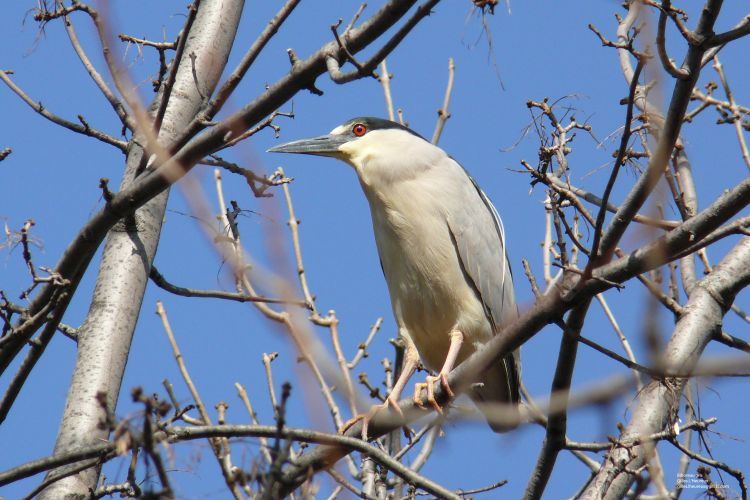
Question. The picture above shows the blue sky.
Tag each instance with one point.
(542, 48)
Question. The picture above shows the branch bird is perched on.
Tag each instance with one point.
(442, 250)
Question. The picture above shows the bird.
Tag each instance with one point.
(443, 253)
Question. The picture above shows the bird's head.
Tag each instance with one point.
(359, 140)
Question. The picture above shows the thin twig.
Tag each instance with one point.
(147, 43)
(267, 123)
(83, 129)
(343, 365)
(443, 113)
(667, 434)
(348, 485)
(732, 341)
(595, 250)
(532, 279)
(424, 453)
(349, 56)
(178, 56)
(259, 184)
(661, 47)
(362, 348)
(385, 81)
(736, 118)
(368, 67)
(267, 359)
(738, 474)
(355, 18)
(623, 339)
(116, 104)
(162, 282)
(293, 223)
(571, 192)
(242, 392)
(216, 444)
(401, 118)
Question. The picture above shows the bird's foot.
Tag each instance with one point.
(367, 417)
(429, 384)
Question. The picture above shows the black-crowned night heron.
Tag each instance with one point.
(442, 250)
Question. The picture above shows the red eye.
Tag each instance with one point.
(359, 130)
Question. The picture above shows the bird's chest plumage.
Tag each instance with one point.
(428, 289)
(414, 260)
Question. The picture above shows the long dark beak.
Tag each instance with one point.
(325, 145)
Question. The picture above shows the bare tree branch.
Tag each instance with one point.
(78, 254)
(742, 29)
(105, 337)
(443, 113)
(668, 134)
(554, 439)
(565, 294)
(83, 128)
(179, 434)
(666, 62)
(116, 104)
(658, 402)
(161, 282)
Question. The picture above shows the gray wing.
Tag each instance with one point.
(479, 238)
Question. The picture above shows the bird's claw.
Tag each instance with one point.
(367, 417)
(445, 385)
(429, 384)
(350, 423)
(417, 394)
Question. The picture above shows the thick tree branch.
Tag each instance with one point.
(227, 88)
(661, 45)
(554, 439)
(668, 134)
(77, 256)
(104, 339)
(619, 161)
(742, 29)
(181, 434)
(658, 402)
(168, 85)
(367, 68)
(566, 293)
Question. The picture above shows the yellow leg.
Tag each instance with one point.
(411, 360)
(457, 340)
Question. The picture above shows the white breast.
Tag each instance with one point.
(428, 290)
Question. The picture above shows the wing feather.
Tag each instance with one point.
(479, 238)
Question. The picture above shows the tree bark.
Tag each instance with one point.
(104, 338)
(658, 403)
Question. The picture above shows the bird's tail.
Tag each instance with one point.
(500, 385)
